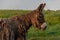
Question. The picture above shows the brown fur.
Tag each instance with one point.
(15, 28)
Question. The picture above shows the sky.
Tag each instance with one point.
(29, 4)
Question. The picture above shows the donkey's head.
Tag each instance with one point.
(39, 20)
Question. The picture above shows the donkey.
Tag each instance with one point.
(15, 28)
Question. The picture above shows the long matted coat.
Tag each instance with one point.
(15, 28)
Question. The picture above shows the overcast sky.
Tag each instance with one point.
(29, 4)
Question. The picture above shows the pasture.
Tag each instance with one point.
(53, 24)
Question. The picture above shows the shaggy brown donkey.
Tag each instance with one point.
(15, 28)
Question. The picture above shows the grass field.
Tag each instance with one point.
(53, 24)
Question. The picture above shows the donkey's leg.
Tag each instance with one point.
(1, 35)
(6, 34)
(12, 35)
(19, 38)
(24, 36)
(9, 34)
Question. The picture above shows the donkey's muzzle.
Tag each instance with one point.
(43, 26)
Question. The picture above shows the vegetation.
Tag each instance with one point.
(53, 24)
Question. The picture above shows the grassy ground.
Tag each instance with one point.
(53, 24)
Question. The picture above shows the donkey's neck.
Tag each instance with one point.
(26, 21)
(31, 17)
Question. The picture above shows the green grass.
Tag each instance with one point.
(53, 24)
(9, 13)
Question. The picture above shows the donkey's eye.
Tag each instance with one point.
(40, 18)
(40, 15)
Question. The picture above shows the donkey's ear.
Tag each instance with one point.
(41, 7)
